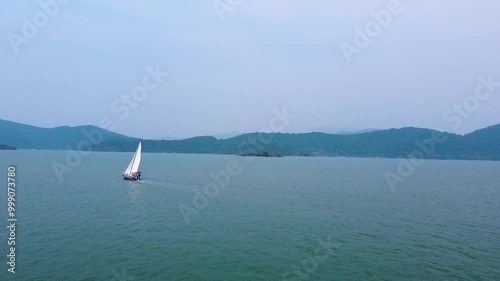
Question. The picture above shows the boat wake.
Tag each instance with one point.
(167, 184)
(152, 182)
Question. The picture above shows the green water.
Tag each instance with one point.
(325, 218)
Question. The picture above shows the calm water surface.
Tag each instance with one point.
(441, 224)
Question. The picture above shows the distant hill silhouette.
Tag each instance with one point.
(6, 147)
(24, 136)
(343, 131)
(482, 144)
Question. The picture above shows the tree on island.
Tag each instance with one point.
(262, 154)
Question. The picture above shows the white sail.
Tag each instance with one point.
(133, 167)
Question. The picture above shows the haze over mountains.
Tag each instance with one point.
(343, 131)
(482, 144)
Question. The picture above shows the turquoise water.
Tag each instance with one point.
(328, 218)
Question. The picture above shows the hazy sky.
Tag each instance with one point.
(228, 73)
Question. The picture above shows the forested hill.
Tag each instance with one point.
(482, 144)
(6, 147)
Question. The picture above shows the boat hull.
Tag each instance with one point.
(133, 176)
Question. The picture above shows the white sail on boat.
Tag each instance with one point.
(132, 171)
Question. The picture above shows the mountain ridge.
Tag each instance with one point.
(481, 144)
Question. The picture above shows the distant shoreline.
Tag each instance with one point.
(285, 156)
(262, 154)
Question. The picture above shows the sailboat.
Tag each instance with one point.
(132, 171)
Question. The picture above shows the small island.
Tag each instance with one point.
(6, 147)
(262, 154)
